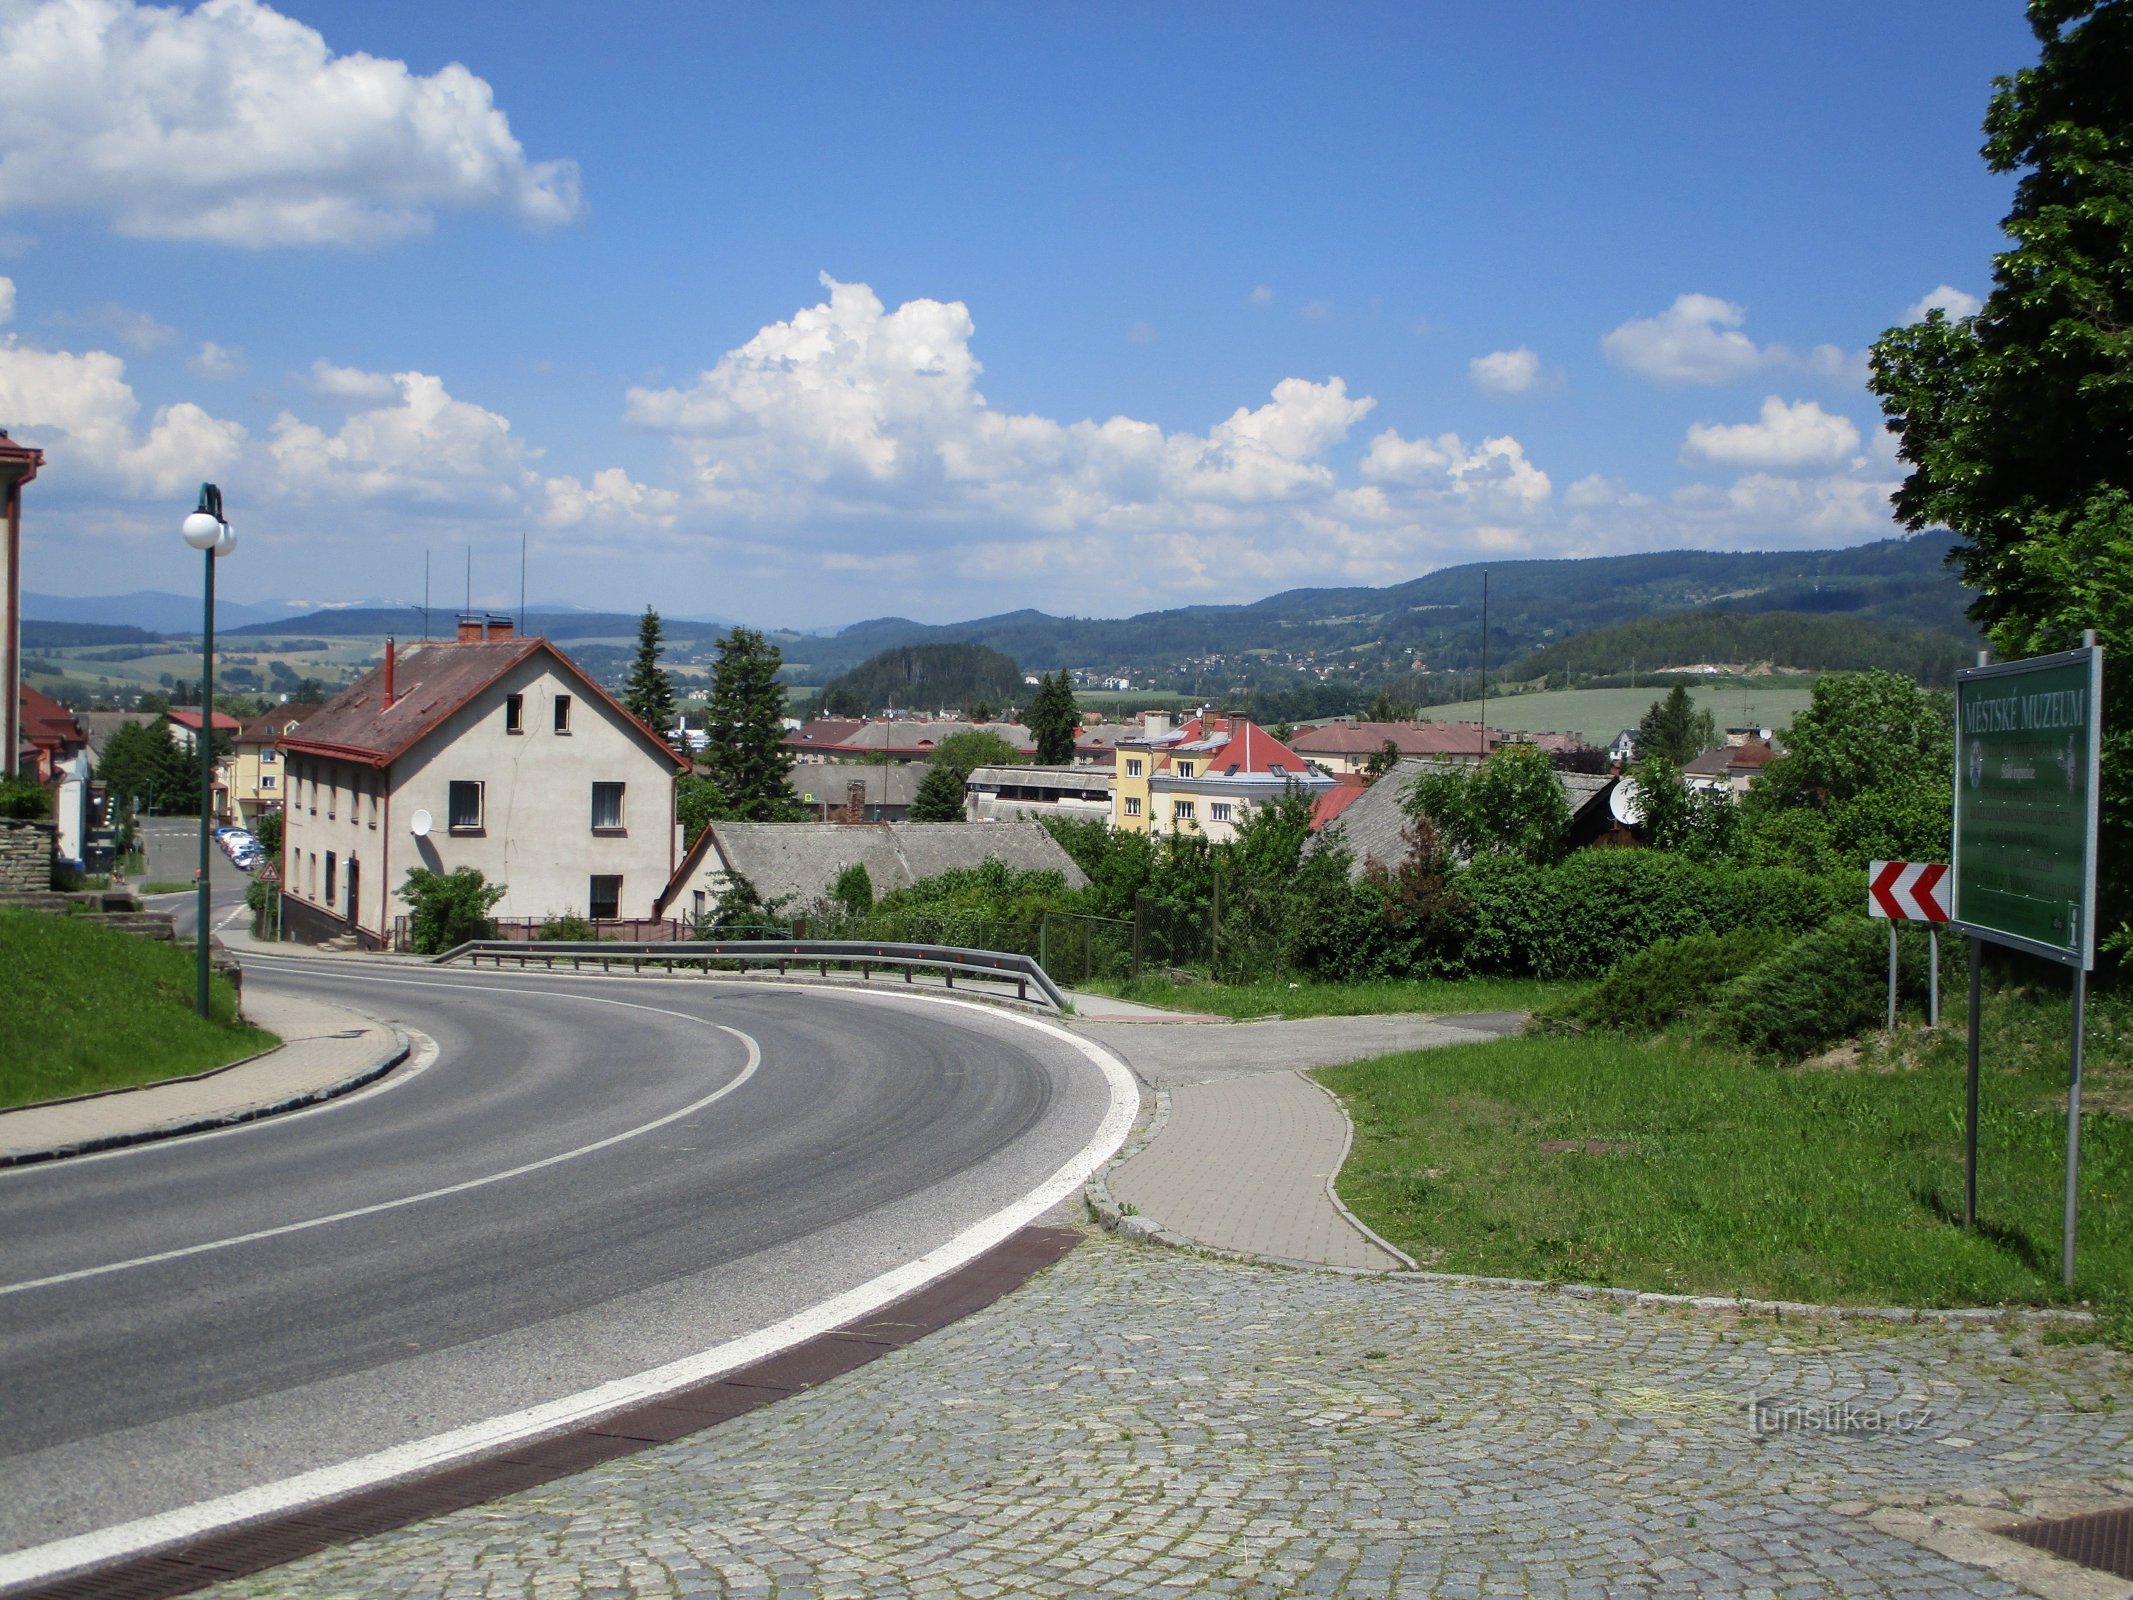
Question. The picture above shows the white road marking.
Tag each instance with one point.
(124, 1539)
(755, 1060)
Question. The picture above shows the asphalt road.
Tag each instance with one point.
(621, 1189)
(173, 851)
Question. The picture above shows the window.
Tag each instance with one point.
(373, 808)
(333, 793)
(606, 897)
(1184, 769)
(562, 713)
(311, 877)
(309, 780)
(1183, 811)
(331, 863)
(607, 808)
(1133, 805)
(1218, 811)
(266, 781)
(268, 757)
(464, 808)
(1133, 767)
(514, 713)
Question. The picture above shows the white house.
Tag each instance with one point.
(485, 751)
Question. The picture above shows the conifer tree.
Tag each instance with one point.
(745, 756)
(648, 692)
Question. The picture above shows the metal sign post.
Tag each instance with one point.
(1909, 891)
(2028, 749)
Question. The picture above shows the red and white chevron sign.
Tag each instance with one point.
(1908, 891)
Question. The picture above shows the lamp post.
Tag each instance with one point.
(207, 531)
(18, 464)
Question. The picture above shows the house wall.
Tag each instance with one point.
(255, 780)
(1130, 792)
(536, 835)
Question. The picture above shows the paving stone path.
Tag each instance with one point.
(1138, 1421)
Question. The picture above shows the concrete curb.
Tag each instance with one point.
(399, 1051)
(1115, 1219)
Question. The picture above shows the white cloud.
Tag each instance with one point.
(136, 330)
(1512, 372)
(1494, 474)
(1790, 438)
(1316, 310)
(1954, 302)
(86, 401)
(217, 362)
(7, 300)
(1262, 296)
(348, 384)
(1695, 340)
(235, 124)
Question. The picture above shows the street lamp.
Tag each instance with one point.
(207, 531)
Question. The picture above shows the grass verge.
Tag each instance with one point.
(86, 1007)
(1444, 996)
(1692, 1168)
(160, 887)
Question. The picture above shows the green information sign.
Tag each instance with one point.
(2028, 737)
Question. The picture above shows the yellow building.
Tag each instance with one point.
(253, 774)
(1203, 777)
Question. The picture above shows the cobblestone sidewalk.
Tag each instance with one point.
(1138, 1421)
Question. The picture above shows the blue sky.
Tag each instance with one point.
(942, 310)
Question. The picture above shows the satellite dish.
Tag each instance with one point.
(419, 824)
(1626, 805)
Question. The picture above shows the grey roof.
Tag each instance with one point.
(1079, 779)
(796, 862)
(887, 784)
(1371, 826)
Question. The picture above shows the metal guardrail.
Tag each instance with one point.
(1022, 971)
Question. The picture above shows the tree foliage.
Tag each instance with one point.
(924, 675)
(648, 692)
(745, 755)
(1702, 824)
(1511, 804)
(1674, 730)
(143, 765)
(2017, 423)
(1054, 719)
(940, 793)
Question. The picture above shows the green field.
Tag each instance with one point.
(1599, 714)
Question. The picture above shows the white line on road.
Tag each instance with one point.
(63, 1556)
(755, 1060)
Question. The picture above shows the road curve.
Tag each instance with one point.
(595, 1177)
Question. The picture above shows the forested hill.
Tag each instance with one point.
(1893, 582)
(1776, 638)
(925, 676)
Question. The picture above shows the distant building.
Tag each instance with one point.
(874, 791)
(253, 773)
(1737, 767)
(1373, 826)
(1204, 777)
(893, 738)
(1351, 746)
(1013, 794)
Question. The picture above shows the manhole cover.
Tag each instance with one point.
(2101, 1539)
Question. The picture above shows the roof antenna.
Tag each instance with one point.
(470, 578)
(522, 583)
(425, 594)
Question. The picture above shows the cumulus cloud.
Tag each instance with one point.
(1511, 372)
(1953, 301)
(1262, 296)
(136, 330)
(7, 300)
(87, 403)
(235, 124)
(1695, 340)
(217, 362)
(1316, 310)
(1801, 437)
(349, 384)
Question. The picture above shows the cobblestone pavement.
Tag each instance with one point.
(1138, 1421)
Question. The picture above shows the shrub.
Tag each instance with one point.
(1826, 986)
(568, 926)
(854, 890)
(446, 909)
(25, 800)
(1645, 992)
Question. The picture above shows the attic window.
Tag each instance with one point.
(1276, 768)
(514, 713)
(1230, 771)
(562, 713)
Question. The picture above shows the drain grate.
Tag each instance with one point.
(2101, 1539)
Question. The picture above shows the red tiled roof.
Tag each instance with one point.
(46, 722)
(189, 717)
(1332, 802)
(429, 685)
(825, 731)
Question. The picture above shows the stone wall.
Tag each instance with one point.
(25, 856)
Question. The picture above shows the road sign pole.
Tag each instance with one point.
(1932, 976)
(1977, 949)
(1892, 978)
(2073, 1130)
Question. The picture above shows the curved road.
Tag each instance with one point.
(594, 1177)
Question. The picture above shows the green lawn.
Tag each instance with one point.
(1599, 714)
(1281, 998)
(86, 1007)
(1718, 1175)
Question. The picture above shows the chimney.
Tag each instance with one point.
(470, 630)
(479, 627)
(389, 695)
(1155, 724)
(855, 801)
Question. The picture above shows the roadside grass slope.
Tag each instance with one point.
(85, 1007)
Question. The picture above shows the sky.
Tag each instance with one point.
(807, 315)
